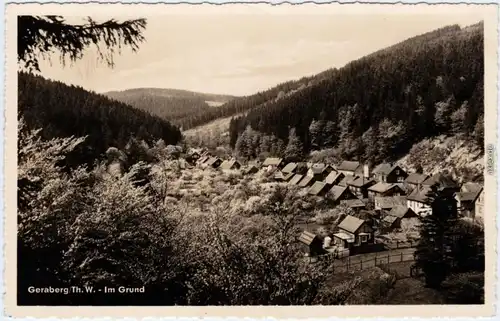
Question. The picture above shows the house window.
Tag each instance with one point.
(400, 179)
(397, 171)
(364, 238)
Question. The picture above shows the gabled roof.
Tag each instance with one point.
(290, 167)
(354, 203)
(250, 169)
(306, 180)
(360, 181)
(296, 179)
(348, 166)
(228, 164)
(400, 211)
(336, 192)
(468, 196)
(471, 187)
(385, 168)
(416, 179)
(351, 224)
(287, 177)
(317, 188)
(320, 168)
(389, 219)
(382, 187)
(419, 195)
(307, 238)
(442, 180)
(333, 177)
(272, 161)
(283, 176)
(391, 201)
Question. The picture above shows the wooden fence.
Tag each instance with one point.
(357, 263)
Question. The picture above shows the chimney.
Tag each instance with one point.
(366, 171)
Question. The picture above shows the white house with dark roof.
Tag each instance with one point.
(418, 201)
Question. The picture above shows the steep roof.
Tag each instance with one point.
(296, 179)
(228, 164)
(333, 177)
(203, 159)
(249, 169)
(336, 192)
(351, 224)
(468, 196)
(319, 168)
(419, 195)
(307, 238)
(391, 201)
(272, 161)
(382, 187)
(471, 187)
(317, 188)
(443, 181)
(290, 167)
(348, 166)
(416, 178)
(384, 168)
(400, 211)
(306, 180)
(360, 181)
(389, 219)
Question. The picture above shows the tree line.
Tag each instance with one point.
(63, 111)
(377, 107)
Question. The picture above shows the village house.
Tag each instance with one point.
(396, 215)
(213, 162)
(414, 181)
(311, 244)
(230, 164)
(443, 182)
(202, 160)
(468, 199)
(273, 163)
(382, 189)
(345, 179)
(352, 232)
(389, 202)
(418, 201)
(318, 189)
(320, 171)
(334, 178)
(359, 186)
(296, 179)
(389, 173)
(306, 181)
(350, 168)
(289, 168)
(338, 193)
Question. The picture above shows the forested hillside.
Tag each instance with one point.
(178, 106)
(377, 107)
(62, 111)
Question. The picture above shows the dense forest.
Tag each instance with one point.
(174, 105)
(64, 111)
(377, 107)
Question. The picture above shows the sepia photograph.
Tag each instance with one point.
(210, 156)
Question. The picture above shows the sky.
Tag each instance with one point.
(240, 54)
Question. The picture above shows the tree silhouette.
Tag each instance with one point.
(434, 250)
(39, 36)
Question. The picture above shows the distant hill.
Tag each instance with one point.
(374, 108)
(61, 111)
(177, 106)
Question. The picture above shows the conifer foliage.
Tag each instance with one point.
(434, 250)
